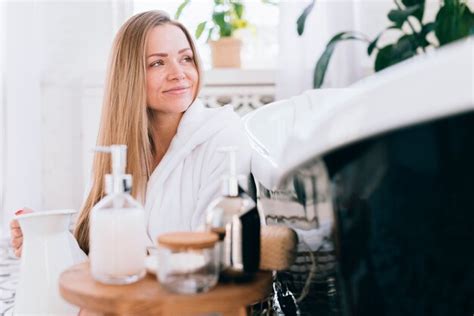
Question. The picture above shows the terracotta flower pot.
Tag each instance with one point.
(226, 52)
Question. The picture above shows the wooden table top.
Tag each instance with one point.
(147, 296)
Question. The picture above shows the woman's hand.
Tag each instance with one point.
(16, 233)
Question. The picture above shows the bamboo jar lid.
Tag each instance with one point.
(188, 240)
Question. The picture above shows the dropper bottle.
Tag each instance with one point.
(117, 233)
(221, 210)
(234, 217)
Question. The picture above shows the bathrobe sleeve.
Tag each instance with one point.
(216, 166)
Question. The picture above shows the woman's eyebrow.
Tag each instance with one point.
(183, 50)
(166, 55)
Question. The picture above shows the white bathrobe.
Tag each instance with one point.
(190, 174)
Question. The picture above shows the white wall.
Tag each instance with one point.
(22, 177)
(299, 54)
(51, 50)
(77, 49)
(2, 116)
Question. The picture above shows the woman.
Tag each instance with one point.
(150, 104)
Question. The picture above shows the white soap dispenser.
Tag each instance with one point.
(117, 234)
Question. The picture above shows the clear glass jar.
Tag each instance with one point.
(188, 262)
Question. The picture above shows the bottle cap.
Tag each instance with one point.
(117, 181)
(119, 156)
(188, 240)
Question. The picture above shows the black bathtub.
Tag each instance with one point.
(379, 185)
(404, 220)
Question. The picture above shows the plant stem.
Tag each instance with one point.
(417, 35)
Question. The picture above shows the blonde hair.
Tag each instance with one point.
(125, 116)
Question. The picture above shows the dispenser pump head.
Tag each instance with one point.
(118, 181)
(231, 184)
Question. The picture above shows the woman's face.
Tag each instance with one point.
(171, 76)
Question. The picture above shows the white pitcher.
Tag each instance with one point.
(48, 249)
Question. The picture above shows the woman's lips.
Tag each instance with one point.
(177, 91)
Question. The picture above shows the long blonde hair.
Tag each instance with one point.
(125, 117)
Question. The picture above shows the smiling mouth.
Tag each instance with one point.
(177, 90)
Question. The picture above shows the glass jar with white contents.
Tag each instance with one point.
(187, 261)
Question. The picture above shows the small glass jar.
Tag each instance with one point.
(187, 261)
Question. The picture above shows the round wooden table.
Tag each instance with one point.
(148, 297)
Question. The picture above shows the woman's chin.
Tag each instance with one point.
(182, 105)
(178, 106)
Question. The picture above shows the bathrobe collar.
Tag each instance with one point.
(197, 125)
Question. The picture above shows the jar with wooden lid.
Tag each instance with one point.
(187, 261)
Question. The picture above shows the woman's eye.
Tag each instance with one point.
(157, 63)
(188, 59)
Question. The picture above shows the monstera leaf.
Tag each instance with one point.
(395, 53)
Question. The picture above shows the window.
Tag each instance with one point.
(260, 49)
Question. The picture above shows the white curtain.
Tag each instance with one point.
(2, 117)
(20, 110)
(50, 51)
(298, 55)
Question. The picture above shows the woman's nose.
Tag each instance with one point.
(175, 72)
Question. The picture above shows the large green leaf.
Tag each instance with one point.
(395, 53)
(200, 28)
(384, 57)
(302, 18)
(451, 2)
(323, 61)
(419, 12)
(453, 21)
(180, 9)
(399, 16)
(373, 44)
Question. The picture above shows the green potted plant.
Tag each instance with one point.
(453, 21)
(227, 17)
